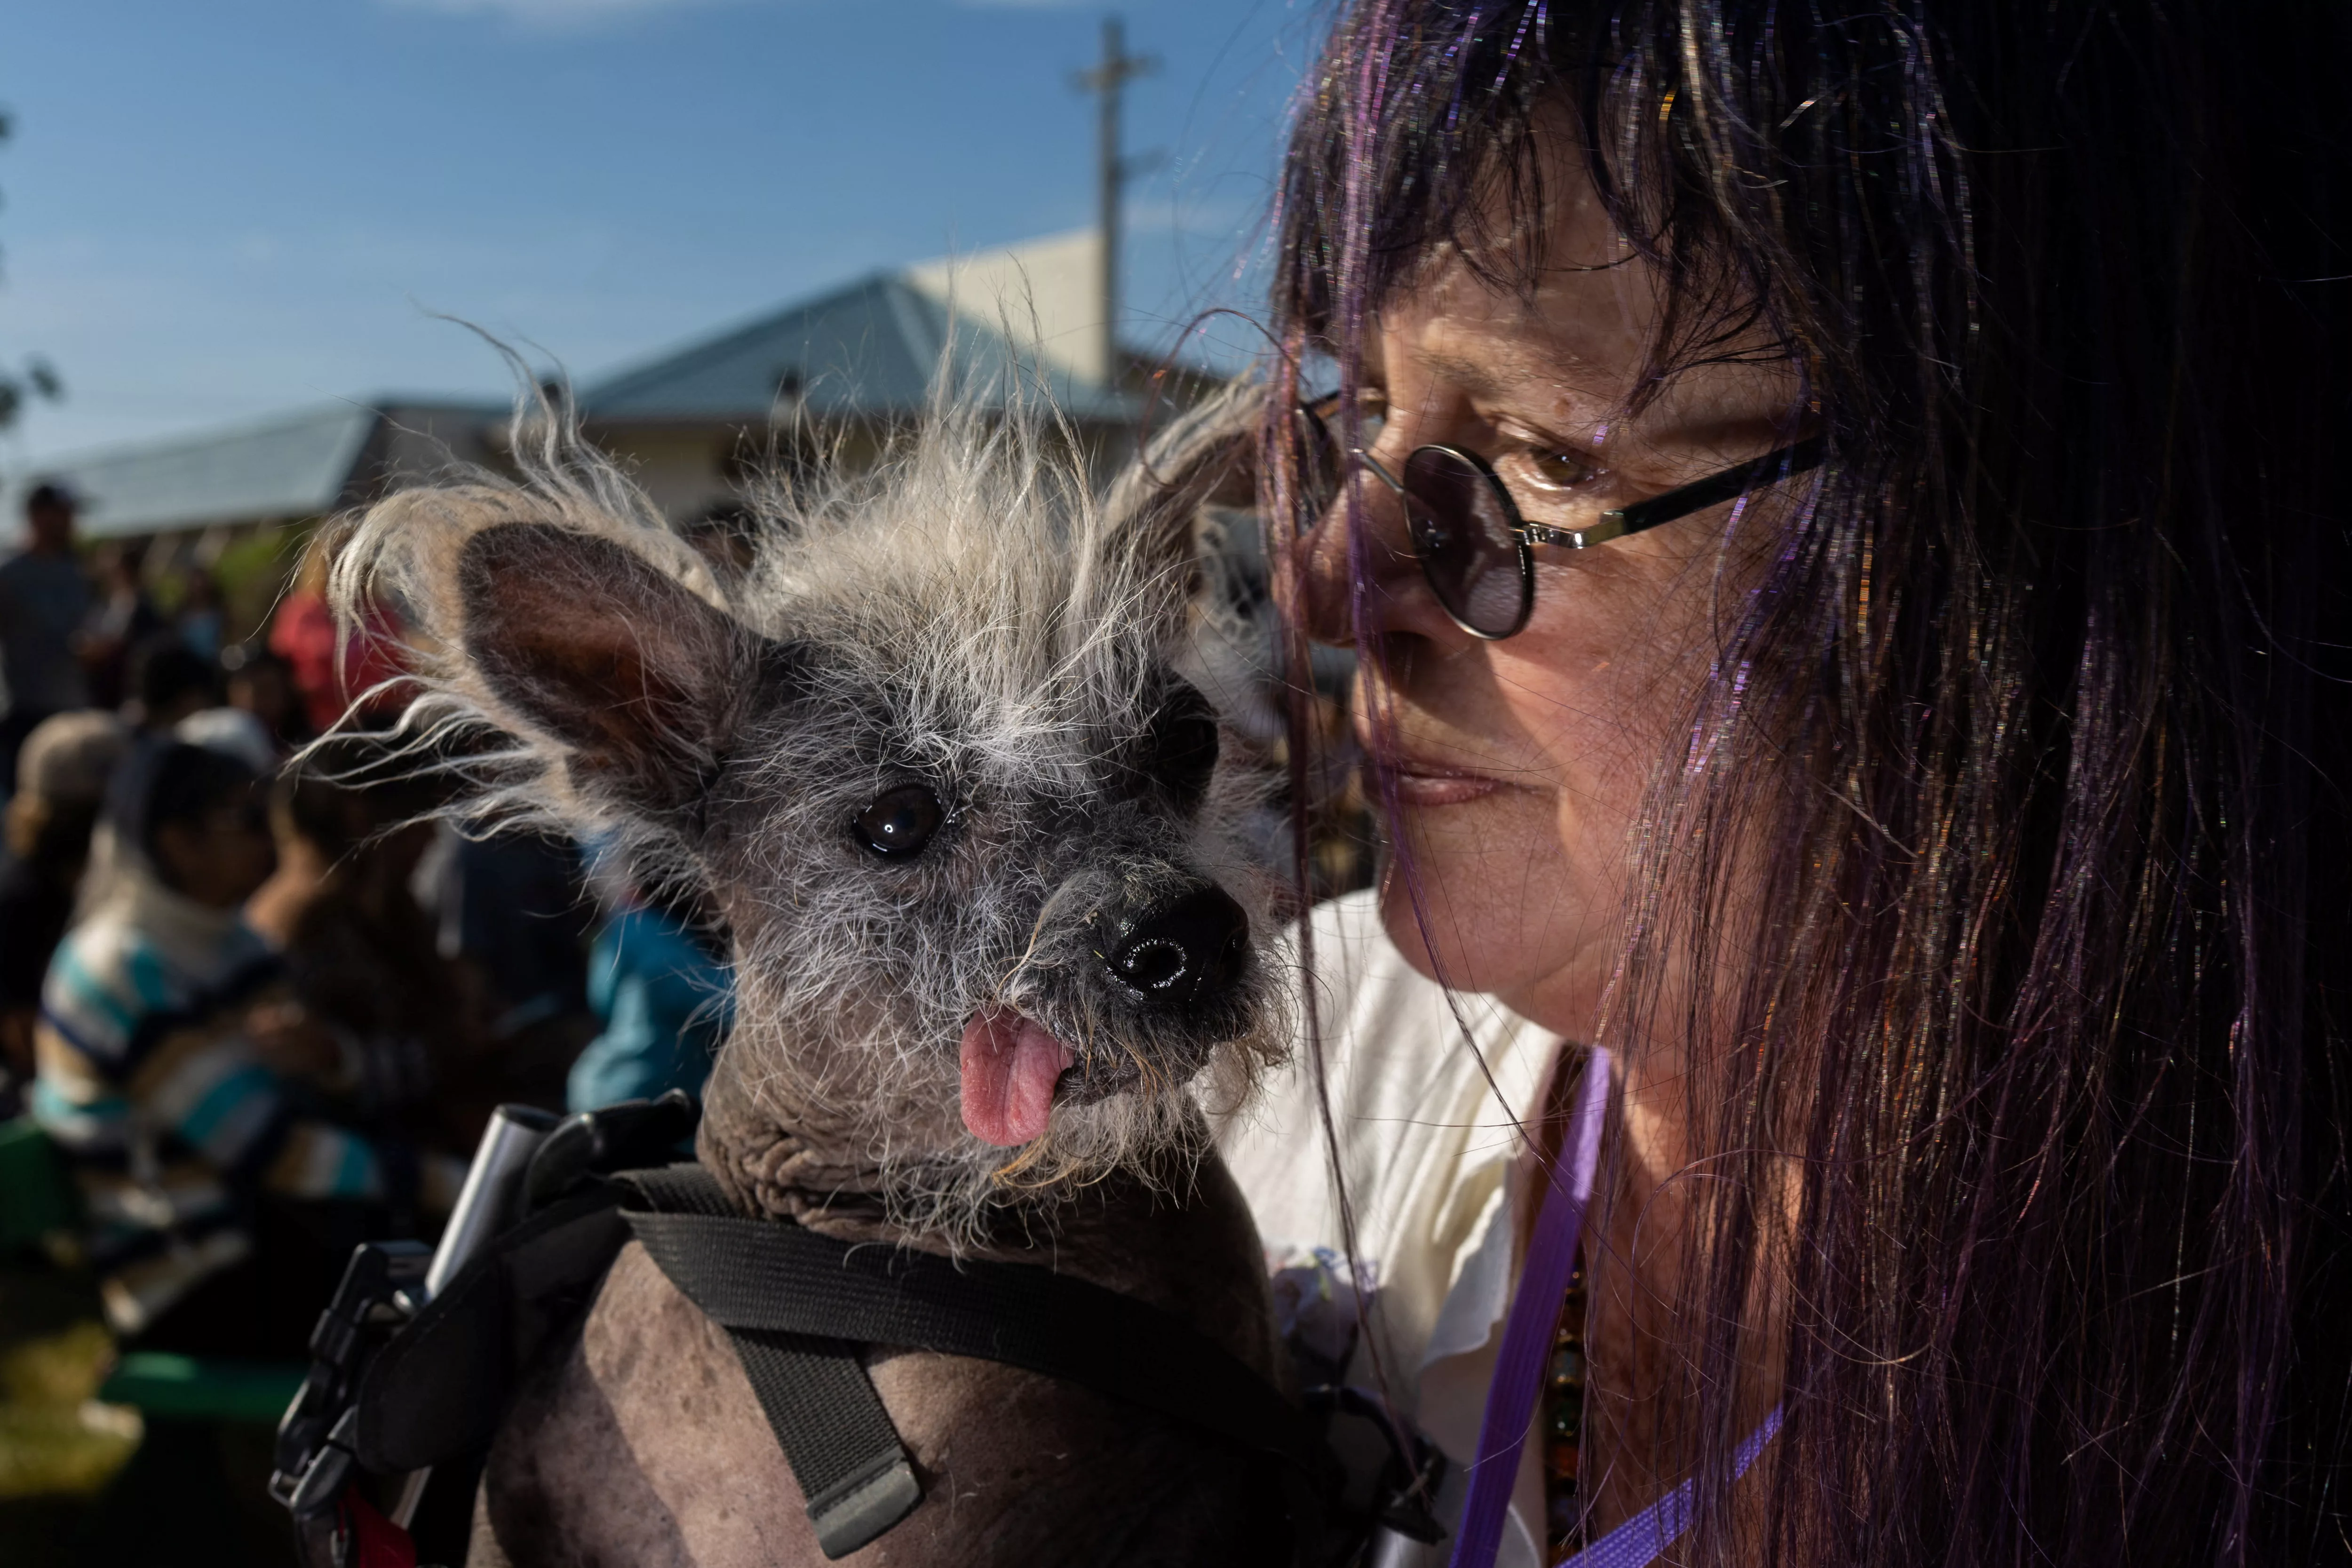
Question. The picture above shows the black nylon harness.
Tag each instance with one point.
(801, 1311)
(811, 1381)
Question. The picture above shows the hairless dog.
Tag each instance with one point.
(997, 942)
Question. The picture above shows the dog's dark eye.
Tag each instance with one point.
(1184, 745)
(899, 822)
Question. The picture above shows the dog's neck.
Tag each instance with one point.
(777, 1152)
(781, 1151)
(1177, 1237)
(780, 1154)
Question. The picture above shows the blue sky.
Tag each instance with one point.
(222, 209)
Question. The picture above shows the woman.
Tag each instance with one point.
(1939, 821)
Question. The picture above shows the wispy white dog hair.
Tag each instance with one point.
(927, 750)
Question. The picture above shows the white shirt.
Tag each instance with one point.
(1427, 1144)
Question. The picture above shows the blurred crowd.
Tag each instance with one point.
(256, 993)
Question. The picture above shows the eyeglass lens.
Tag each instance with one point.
(1462, 529)
(1468, 540)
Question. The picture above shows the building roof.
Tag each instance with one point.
(1019, 322)
(293, 465)
(290, 465)
(869, 349)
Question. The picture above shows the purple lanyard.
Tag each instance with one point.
(1638, 1543)
(1526, 1344)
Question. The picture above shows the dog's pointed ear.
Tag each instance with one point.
(635, 680)
(1209, 458)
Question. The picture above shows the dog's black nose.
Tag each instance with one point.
(1181, 950)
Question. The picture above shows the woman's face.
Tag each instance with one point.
(1518, 766)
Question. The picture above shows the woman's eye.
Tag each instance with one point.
(899, 822)
(1558, 469)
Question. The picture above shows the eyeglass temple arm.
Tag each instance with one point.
(1379, 471)
(1685, 500)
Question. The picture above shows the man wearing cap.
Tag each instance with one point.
(44, 599)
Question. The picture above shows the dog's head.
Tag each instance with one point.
(930, 756)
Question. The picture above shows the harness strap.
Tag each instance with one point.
(821, 1404)
(758, 1274)
(439, 1389)
(799, 1305)
(816, 1394)
(800, 1309)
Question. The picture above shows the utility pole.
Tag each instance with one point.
(1108, 82)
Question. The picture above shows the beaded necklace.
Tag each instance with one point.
(1563, 1425)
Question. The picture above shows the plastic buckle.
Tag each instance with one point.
(313, 1458)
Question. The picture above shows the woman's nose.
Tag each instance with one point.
(1325, 559)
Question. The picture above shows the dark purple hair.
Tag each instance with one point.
(2034, 730)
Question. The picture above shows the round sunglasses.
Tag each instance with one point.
(1475, 549)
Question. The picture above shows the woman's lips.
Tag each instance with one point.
(1422, 784)
(1419, 781)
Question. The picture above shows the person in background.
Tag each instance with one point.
(658, 982)
(169, 682)
(334, 673)
(260, 684)
(234, 731)
(44, 598)
(361, 954)
(61, 779)
(122, 620)
(188, 1089)
(512, 906)
(198, 618)
(202, 1107)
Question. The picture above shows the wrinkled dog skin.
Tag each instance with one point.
(995, 943)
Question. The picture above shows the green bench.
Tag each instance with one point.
(205, 1388)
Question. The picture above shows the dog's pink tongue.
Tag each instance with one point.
(1010, 1066)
